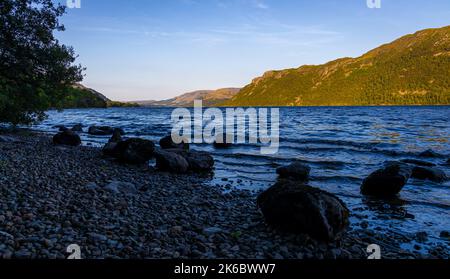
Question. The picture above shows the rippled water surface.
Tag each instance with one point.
(342, 146)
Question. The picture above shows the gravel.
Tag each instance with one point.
(54, 196)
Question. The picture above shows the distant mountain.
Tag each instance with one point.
(413, 70)
(80, 96)
(209, 97)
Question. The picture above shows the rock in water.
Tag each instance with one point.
(418, 162)
(171, 161)
(432, 174)
(167, 143)
(295, 170)
(134, 151)
(430, 154)
(77, 128)
(110, 148)
(388, 181)
(198, 161)
(293, 207)
(67, 137)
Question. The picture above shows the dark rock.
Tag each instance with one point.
(171, 161)
(428, 173)
(117, 136)
(430, 154)
(448, 162)
(77, 128)
(67, 138)
(167, 143)
(134, 151)
(388, 181)
(445, 234)
(9, 139)
(198, 161)
(222, 143)
(295, 170)
(104, 130)
(293, 207)
(61, 128)
(418, 163)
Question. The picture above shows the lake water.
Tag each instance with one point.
(342, 145)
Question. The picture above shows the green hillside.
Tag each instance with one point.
(413, 70)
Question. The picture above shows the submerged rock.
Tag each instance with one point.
(167, 143)
(388, 181)
(134, 151)
(67, 137)
(293, 207)
(295, 170)
(171, 161)
(77, 128)
(103, 130)
(110, 148)
(418, 162)
(430, 154)
(428, 173)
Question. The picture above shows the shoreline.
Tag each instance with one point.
(53, 196)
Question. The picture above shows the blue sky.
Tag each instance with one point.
(157, 49)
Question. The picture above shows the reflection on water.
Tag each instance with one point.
(342, 145)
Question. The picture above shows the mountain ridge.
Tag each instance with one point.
(209, 98)
(413, 69)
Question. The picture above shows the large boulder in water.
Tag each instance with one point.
(428, 173)
(293, 207)
(296, 170)
(67, 137)
(171, 162)
(134, 151)
(388, 181)
(167, 143)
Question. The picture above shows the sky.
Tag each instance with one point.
(158, 49)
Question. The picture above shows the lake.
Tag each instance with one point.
(343, 145)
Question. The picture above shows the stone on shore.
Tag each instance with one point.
(119, 186)
(198, 161)
(167, 143)
(388, 181)
(103, 130)
(428, 173)
(77, 128)
(222, 142)
(296, 170)
(418, 162)
(293, 207)
(134, 151)
(67, 137)
(171, 162)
